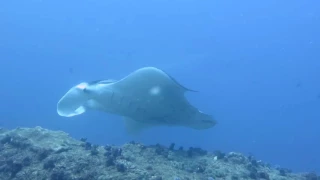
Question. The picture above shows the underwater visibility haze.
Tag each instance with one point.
(255, 67)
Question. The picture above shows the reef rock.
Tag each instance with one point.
(41, 154)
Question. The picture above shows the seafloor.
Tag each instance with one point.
(41, 154)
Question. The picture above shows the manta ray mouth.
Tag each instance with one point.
(72, 103)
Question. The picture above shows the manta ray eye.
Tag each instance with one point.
(82, 86)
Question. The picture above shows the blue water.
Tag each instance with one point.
(256, 65)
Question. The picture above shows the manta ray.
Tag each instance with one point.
(147, 97)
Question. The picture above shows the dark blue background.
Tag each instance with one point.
(255, 63)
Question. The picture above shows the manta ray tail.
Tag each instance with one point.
(202, 121)
(73, 102)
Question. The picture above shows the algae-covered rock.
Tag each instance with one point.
(37, 153)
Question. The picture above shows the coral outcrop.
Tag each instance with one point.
(41, 154)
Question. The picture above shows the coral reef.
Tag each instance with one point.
(37, 153)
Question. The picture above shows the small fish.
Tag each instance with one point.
(71, 70)
(298, 84)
